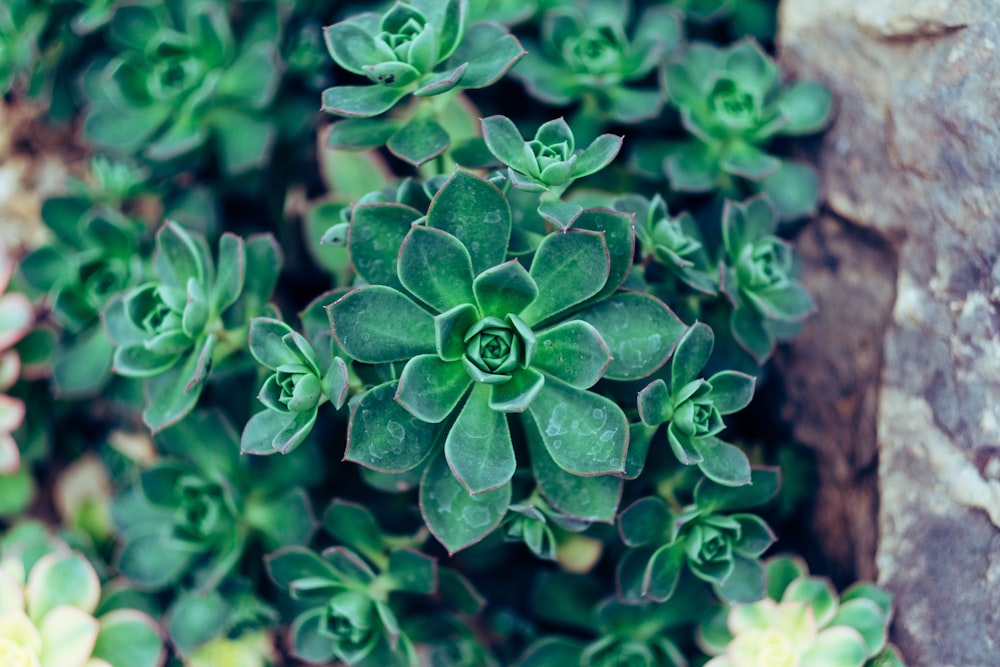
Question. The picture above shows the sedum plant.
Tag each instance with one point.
(586, 54)
(758, 277)
(718, 548)
(181, 81)
(173, 330)
(421, 47)
(732, 102)
(494, 339)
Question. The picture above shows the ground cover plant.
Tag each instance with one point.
(410, 333)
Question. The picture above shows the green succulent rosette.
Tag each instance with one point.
(183, 83)
(717, 546)
(586, 54)
(483, 338)
(759, 278)
(732, 102)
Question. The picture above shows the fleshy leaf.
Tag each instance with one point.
(646, 521)
(436, 267)
(597, 155)
(568, 268)
(418, 141)
(430, 389)
(721, 462)
(731, 391)
(383, 436)
(477, 213)
(640, 331)
(377, 324)
(663, 572)
(745, 583)
(506, 143)
(573, 352)
(691, 355)
(586, 434)
(503, 289)
(454, 517)
(361, 101)
(478, 447)
(377, 232)
(129, 637)
(806, 106)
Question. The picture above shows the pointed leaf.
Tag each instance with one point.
(559, 213)
(477, 213)
(793, 189)
(478, 447)
(731, 391)
(506, 143)
(454, 517)
(136, 361)
(654, 404)
(266, 342)
(436, 267)
(584, 433)
(867, 618)
(489, 50)
(418, 141)
(838, 646)
(151, 561)
(178, 258)
(721, 462)
(568, 268)
(712, 497)
(640, 331)
(385, 437)
(598, 155)
(354, 526)
(749, 162)
(170, 396)
(646, 521)
(442, 82)
(755, 535)
(504, 289)
(288, 565)
(361, 101)
(573, 352)
(516, 394)
(353, 48)
(619, 234)
(376, 234)
(691, 355)
(231, 270)
(744, 584)
(430, 389)
(377, 324)
(309, 639)
(361, 133)
(663, 572)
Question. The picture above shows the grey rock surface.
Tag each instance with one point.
(910, 170)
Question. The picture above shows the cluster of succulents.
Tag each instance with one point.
(325, 272)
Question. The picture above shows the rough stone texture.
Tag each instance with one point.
(913, 161)
(831, 381)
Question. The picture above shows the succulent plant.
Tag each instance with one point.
(586, 54)
(493, 339)
(182, 80)
(801, 623)
(719, 548)
(173, 330)
(48, 598)
(732, 102)
(693, 407)
(758, 277)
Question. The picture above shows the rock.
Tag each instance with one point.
(910, 173)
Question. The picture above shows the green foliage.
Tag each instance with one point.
(720, 549)
(732, 103)
(182, 81)
(175, 329)
(587, 54)
(510, 352)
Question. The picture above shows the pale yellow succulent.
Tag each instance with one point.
(16, 318)
(46, 619)
(786, 634)
(251, 649)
